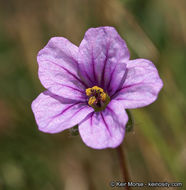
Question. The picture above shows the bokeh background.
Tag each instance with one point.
(156, 148)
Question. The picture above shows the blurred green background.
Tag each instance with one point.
(155, 149)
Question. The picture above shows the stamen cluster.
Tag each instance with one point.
(98, 99)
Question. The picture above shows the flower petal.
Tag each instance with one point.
(104, 129)
(58, 69)
(141, 86)
(102, 55)
(54, 114)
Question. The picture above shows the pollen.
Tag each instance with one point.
(88, 91)
(92, 100)
(98, 99)
(94, 89)
(103, 96)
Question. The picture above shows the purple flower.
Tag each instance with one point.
(92, 85)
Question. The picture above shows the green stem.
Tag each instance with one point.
(123, 166)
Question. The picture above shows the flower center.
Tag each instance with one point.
(98, 99)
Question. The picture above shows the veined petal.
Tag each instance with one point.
(54, 114)
(141, 86)
(102, 56)
(104, 129)
(58, 69)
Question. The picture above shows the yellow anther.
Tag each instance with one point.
(93, 90)
(97, 98)
(103, 96)
(88, 91)
(92, 100)
(97, 89)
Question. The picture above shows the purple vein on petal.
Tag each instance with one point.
(125, 87)
(91, 118)
(110, 109)
(85, 72)
(66, 109)
(61, 112)
(108, 86)
(135, 84)
(93, 65)
(72, 88)
(89, 77)
(77, 112)
(121, 83)
(106, 125)
(128, 86)
(103, 71)
(68, 72)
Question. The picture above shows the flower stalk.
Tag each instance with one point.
(123, 166)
